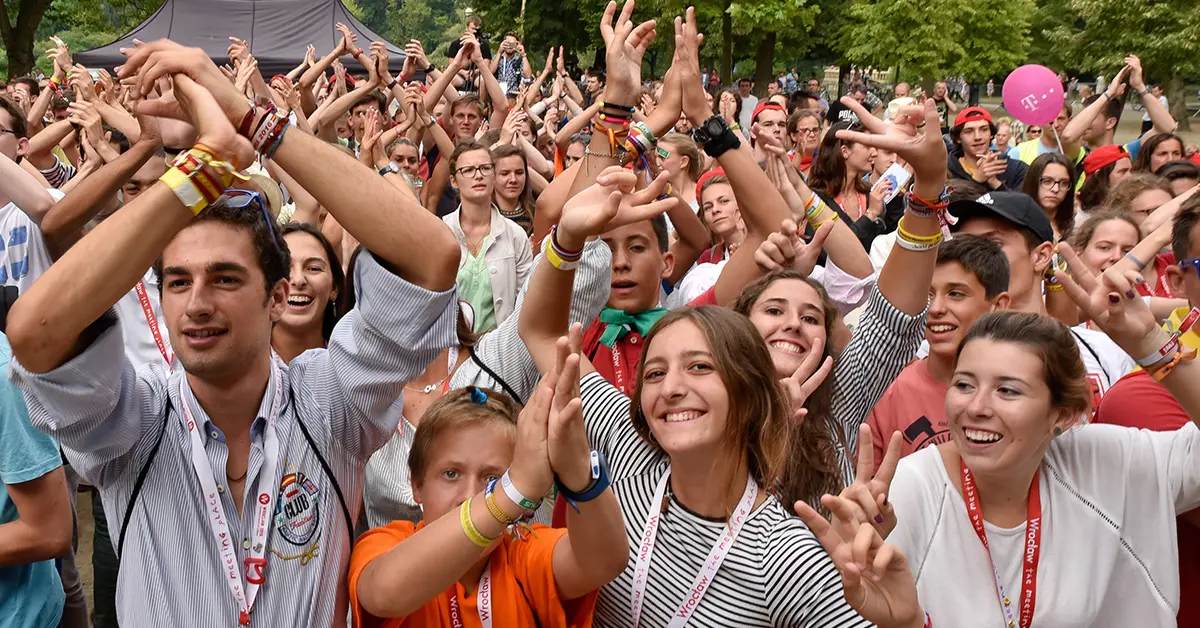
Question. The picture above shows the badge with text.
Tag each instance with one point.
(297, 513)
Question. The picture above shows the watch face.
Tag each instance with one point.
(713, 127)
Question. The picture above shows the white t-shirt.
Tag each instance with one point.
(1109, 556)
(23, 253)
(1104, 360)
(748, 105)
(135, 328)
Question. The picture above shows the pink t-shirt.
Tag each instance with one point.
(915, 405)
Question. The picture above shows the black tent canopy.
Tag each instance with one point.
(278, 31)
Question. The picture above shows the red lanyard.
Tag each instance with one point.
(152, 320)
(618, 374)
(1032, 553)
(862, 204)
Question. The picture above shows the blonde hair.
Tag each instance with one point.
(456, 409)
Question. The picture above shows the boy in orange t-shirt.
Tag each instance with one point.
(970, 280)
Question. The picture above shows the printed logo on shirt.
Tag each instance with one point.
(16, 248)
(297, 512)
(1097, 386)
(921, 434)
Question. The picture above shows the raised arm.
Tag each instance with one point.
(562, 139)
(330, 113)
(23, 190)
(63, 224)
(492, 86)
(434, 95)
(41, 145)
(1073, 133)
(1159, 116)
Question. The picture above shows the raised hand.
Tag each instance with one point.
(310, 56)
(1112, 303)
(245, 71)
(610, 203)
(865, 500)
(379, 58)
(108, 89)
(1136, 80)
(190, 102)
(146, 63)
(562, 61)
(800, 385)
(414, 51)
(905, 135)
(567, 440)
(786, 249)
(875, 577)
(546, 69)
(81, 81)
(238, 50)
(371, 152)
(349, 39)
(625, 46)
(530, 471)
(84, 114)
(687, 62)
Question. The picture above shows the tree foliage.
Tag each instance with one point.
(936, 38)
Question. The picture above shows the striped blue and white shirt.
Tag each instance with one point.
(108, 416)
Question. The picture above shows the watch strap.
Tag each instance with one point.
(595, 488)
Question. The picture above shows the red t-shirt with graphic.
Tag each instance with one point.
(915, 405)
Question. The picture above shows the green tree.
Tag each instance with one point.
(976, 38)
(1165, 34)
(18, 27)
(770, 20)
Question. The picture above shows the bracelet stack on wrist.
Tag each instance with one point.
(269, 131)
(559, 257)
(197, 178)
(1160, 363)
(909, 241)
(596, 486)
(921, 208)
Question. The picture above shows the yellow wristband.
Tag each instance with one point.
(497, 513)
(185, 190)
(817, 224)
(469, 528)
(556, 260)
(916, 239)
(1055, 287)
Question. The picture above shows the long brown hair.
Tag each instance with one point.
(757, 425)
(828, 172)
(812, 468)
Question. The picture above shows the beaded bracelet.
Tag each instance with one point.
(468, 526)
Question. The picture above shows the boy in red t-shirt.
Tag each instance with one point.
(970, 280)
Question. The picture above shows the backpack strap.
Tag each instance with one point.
(328, 473)
(141, 479)
(508, 390)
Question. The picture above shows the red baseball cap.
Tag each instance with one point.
(715, 172)
(970, 114)
(1102, 157)
(766, 106)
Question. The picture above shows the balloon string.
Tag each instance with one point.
(1062, 150)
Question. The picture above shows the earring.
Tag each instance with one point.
(1058, 431)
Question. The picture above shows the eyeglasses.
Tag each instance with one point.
(14, 133)
(472, 171)
(1194, 262)
(238, 199)
(1034, 132)
(812, 131)
(1054, 184)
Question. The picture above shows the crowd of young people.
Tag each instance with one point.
(474, 346)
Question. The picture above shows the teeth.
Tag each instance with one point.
(787, 347)
(676, 417)
(203, 334)
(981, 436)
(299, 300)
(941, 328)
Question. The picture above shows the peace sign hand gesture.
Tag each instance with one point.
(1112, 303)
(786, 249)
(800, 385)
(865, 500)
(875, 576)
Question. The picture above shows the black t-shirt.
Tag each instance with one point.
(840, 113)
(943, 114)
(483, 47)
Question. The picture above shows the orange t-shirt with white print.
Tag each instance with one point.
(522, 584)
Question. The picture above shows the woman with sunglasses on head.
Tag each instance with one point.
(837, 177)
(499, 359)
(1026, 516)
(316, 282)
(1050, 182)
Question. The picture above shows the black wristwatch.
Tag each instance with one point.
(715, 136)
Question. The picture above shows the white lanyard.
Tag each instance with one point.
(716, 556)
(483, 600)
(162, 342)
(263, 501)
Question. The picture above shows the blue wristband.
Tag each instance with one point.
(596, 488)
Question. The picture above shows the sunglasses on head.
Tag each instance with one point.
(1193, 262)
(239, 199)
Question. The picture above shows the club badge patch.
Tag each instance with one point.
(297, 512)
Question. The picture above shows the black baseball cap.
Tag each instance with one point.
(1015, 207)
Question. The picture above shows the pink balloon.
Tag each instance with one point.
(1033, 95)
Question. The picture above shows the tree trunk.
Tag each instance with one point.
(1178, 99)
(726, 45)
(843, 72)
(18, 38)
(764, 63)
